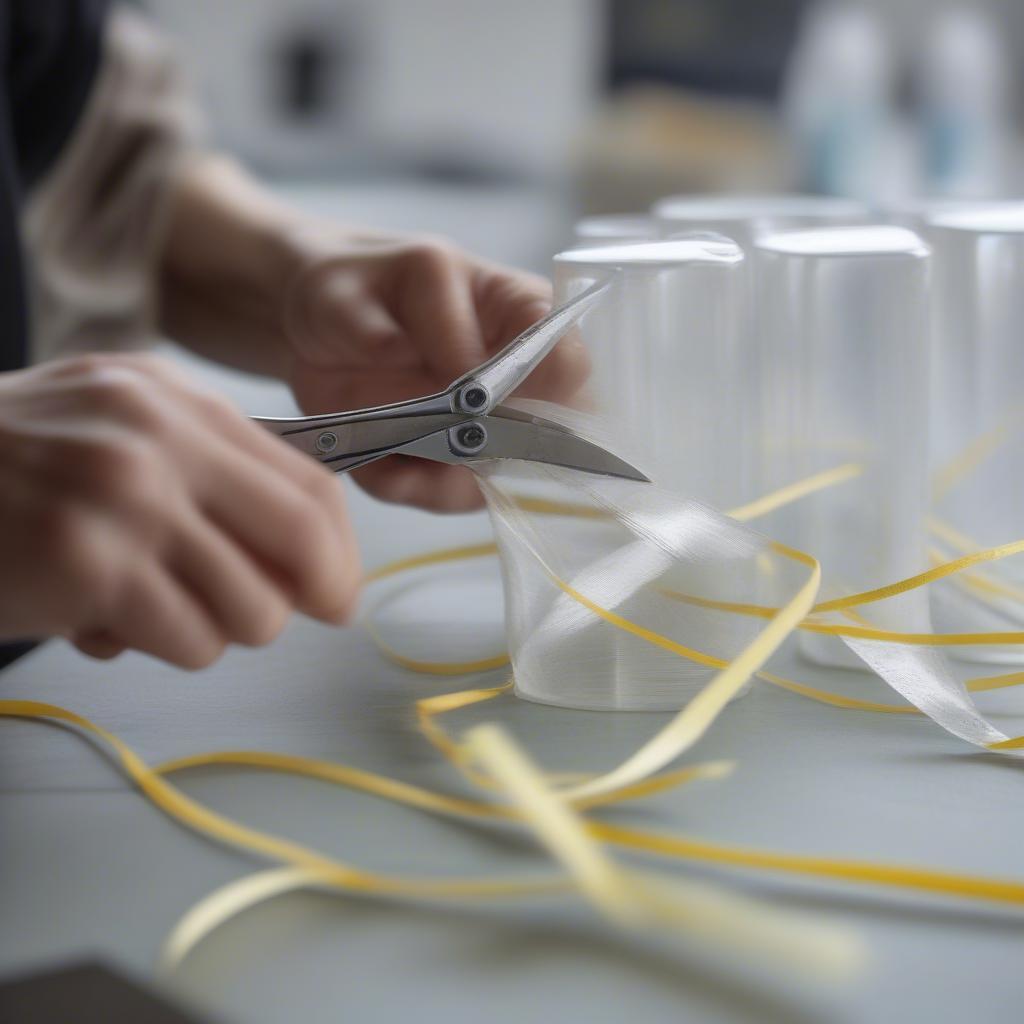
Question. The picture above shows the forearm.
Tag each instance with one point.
(229, 256)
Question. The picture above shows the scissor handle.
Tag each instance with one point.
(344, 441)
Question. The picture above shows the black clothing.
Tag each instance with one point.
(49, 55)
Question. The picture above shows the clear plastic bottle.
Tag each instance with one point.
(743, 217)
(666, 383)
(977, 455)
(610, 228)
(667, 368)
(843, 316)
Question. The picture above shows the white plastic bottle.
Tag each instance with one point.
(837, 101)
(963, 83)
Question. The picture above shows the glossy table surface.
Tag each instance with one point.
(88, 867)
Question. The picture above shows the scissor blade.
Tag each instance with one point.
(511, 434)
(506, 370)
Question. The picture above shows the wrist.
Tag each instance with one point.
(230, 252)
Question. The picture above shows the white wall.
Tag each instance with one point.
(506, 83)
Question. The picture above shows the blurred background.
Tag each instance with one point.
(515, 118)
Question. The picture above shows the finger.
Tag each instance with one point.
(433, 302)
(303, 533)
(159, 617)
(304, 473)
(324, 391)
(249, 606)
(510, 302)
(99, 644)
(404, 480)
(347, 325)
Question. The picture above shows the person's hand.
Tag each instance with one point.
(372, 320)
(137, 511)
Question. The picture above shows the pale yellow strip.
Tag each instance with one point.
(982, 683)
(433, 668)
(425, 799)
(431, 558)
(221, 905)
(982, 583)
(976, 452)
(634, 900)
(950, 535)
(693, 721)
(546, 507)
(794, 492)
(552, 821)
(864, 872)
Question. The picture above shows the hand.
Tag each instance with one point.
(137, 511)
(372, 320)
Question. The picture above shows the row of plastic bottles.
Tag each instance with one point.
(848, 133)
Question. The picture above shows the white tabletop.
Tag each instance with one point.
(88, 867)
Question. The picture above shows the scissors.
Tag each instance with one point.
(466, 422)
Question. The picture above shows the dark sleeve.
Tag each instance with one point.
(54, 50)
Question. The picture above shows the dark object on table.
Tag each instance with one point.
(11, 651)
(87, 993)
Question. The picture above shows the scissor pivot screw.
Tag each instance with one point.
(472, 398)
(469, 439)
(327, 442)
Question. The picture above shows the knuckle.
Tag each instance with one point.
(218, 409)
(120, 390)
(122, 471)
(77, 557)
(431, 255)
(85, 364)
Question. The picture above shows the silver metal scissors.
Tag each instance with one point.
(466, 422)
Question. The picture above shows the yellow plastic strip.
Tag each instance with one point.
(629, 899)
(431, 558)
(671, 845)
(325, 871)
(199, 818)
(982, 683)
(924, 880)
(870, 596)
(924, 578)
(1011, 744)
(428, 708)
(555, 825)
(983, 583)
(433, 668)
(836, 700)
(425, 799)
(918, 639)
(546, 507)
(794, 492)
(976, 452)
(693, 721)
(543, 506)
